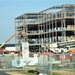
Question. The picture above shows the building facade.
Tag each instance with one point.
(53, 29)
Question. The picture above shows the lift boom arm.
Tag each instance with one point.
(7, 40)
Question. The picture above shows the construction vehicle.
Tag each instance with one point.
(20, 33)
(7, 40)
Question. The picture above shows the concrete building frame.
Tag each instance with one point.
(55, 25)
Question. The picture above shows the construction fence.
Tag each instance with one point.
(9, 60)
(48, 63)
(60, 64)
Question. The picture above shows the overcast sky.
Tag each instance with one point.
(9, 9)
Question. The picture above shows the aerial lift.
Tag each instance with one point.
(7, 40)
(20, 33)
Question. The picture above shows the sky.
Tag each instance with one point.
(10, 9)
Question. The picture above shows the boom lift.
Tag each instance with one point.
(7, 40)
(20, 33)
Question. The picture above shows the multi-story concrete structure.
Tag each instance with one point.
(28, 24)
(53, 27)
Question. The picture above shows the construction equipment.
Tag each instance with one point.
(20, 33)
(7, 40)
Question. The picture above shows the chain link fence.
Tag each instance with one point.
(60, 64)
(48, 63)
(9, 60)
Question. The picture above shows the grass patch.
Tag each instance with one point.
(56, 74)
(30, 73)
(23, 72)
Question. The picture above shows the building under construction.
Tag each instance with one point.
(53, 29)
